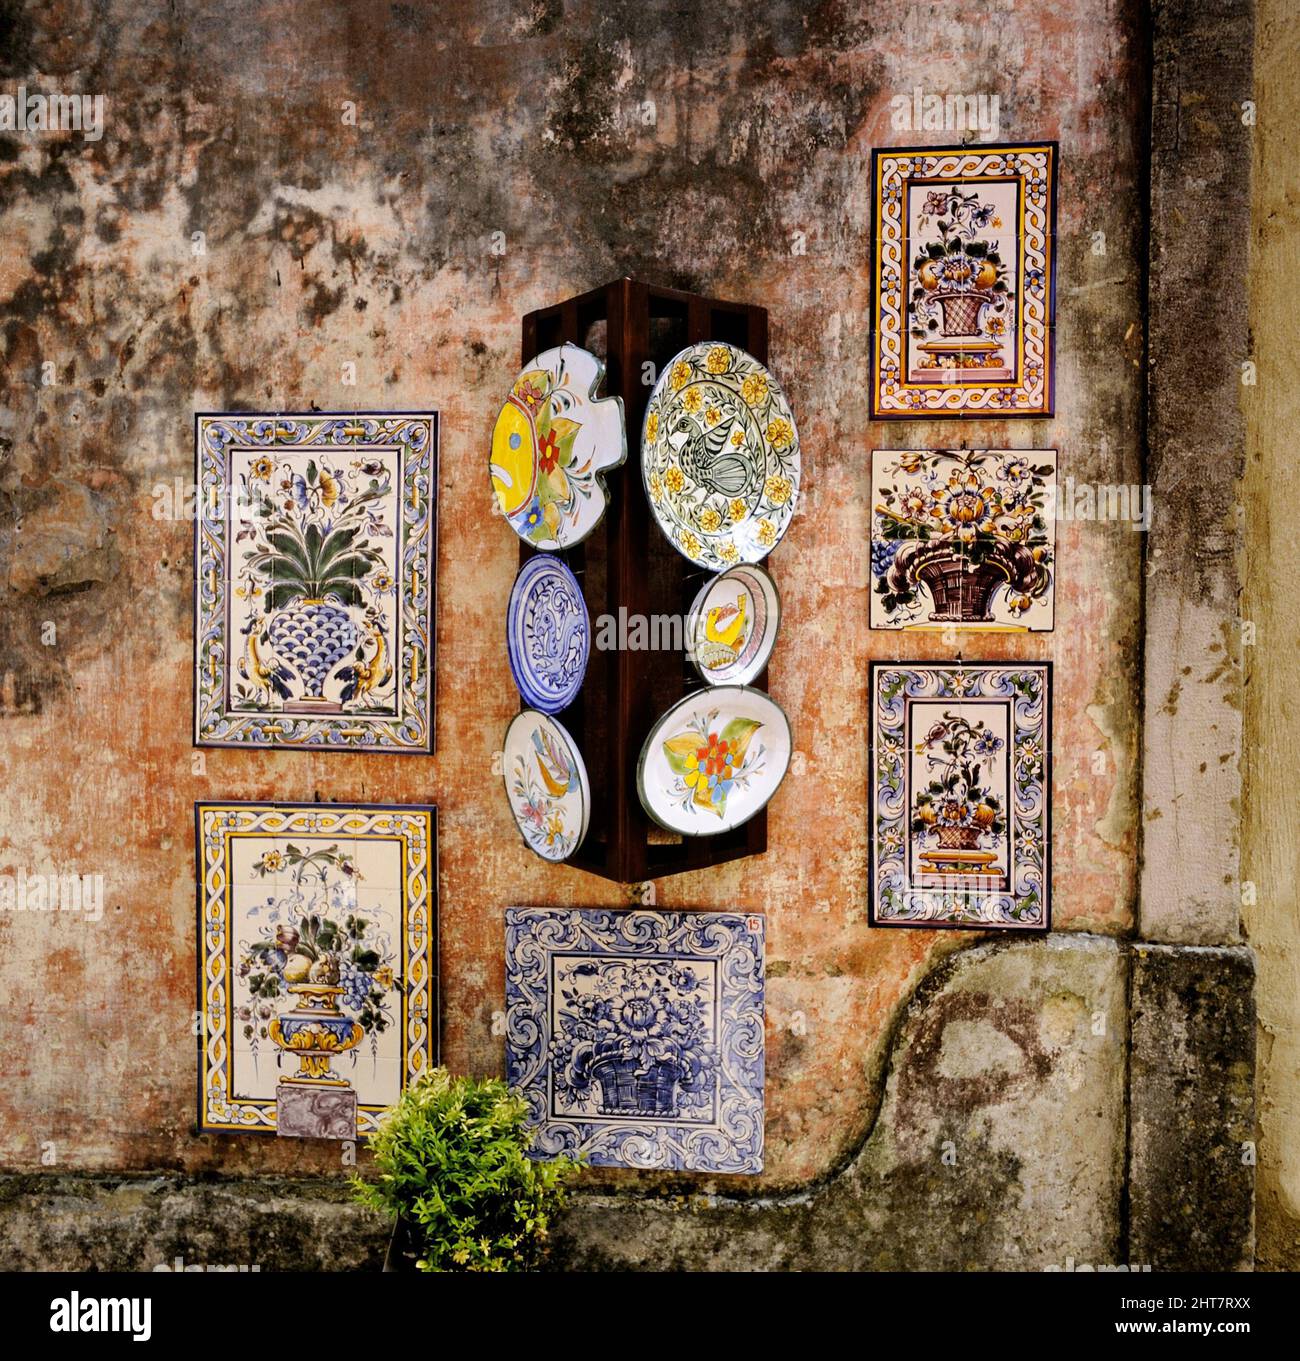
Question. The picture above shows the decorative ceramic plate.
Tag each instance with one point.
(733, 625)
(714, 760)
(546, 782)
(720, 456)
(551, 446)
(548, 636)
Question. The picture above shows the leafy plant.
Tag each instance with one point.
(303, 557)
(453, 1164)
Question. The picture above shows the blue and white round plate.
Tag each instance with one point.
(548, 634)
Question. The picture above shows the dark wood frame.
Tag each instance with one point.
(643, 325)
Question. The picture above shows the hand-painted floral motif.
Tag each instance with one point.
(961, 795)
(314, 581)
(546, 782)
(714, 760)
(553, 441)
(712, 763)
(964, 260)
(317, 929)
(954, 810)
(963, 537)
(633, 1037)
(720, 456)
(637, 1037)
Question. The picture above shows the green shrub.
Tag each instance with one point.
(452, 1162)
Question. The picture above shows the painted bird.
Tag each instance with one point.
(558, 774)
(265, 677)
(364, 676)
(724, 633)
(707, 458)
(730, 633)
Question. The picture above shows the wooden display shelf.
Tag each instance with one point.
(628, 565)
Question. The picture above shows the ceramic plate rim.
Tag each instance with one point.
(599, 474)
(584, 786)
(645, 481)
(551, 560)
(704, 691)
(698, 604)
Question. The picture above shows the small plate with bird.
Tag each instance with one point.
(546, 783)
(714, 760)
(548, 635)
(733, 623)
(720, 456)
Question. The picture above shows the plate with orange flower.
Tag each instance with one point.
(720, 456)
(714, 760)
(552, 444)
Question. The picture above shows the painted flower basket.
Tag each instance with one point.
(964, 593)
(627, 1087)
(313, 636)
(959, 838)
(975, 542)
(617, 1079)
(960, 312)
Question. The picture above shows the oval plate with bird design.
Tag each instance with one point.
(546, 782)
(720, 456)
(552, 444)
(548, 636)
(733, 625)
(714, 760)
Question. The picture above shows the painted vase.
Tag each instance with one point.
(315, 1030)
(313, 637)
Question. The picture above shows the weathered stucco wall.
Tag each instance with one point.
(327, 243)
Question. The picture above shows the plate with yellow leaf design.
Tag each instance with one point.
(553, 441)
(714, 760)
(720, 456)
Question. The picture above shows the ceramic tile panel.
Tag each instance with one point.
(964, 265)
(963, 538)
(961, 795)
(317, 962)
(637, 1036)
(314, 585)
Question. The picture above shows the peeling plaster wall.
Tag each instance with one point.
(325, 244)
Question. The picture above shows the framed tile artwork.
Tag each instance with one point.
(961, 795)
(314, 581)
(317, 962)
(964, 281)
(963, 538)
(637, 1037)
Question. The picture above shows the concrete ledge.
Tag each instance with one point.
(62, 1222)
(1192, 1107)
